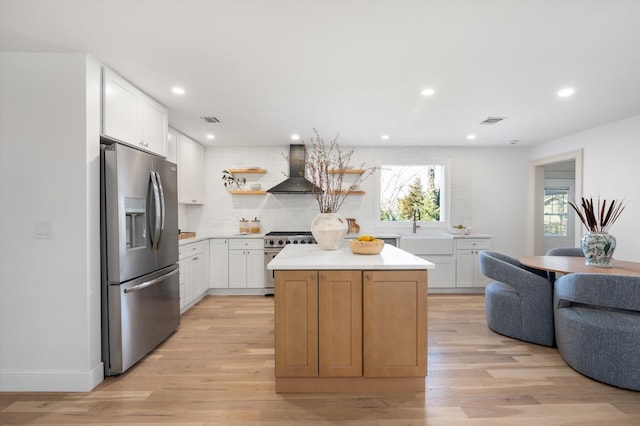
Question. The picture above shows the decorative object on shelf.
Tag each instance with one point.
(256, 187)
(326, 165)
(597, 244)
(229, 179)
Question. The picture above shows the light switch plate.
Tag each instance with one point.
(42, 230)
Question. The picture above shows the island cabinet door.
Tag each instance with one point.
(395, 323)
(340, 323)
(296, 323)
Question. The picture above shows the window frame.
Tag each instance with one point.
(445, 198)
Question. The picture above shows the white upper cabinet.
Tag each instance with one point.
(131, 116)
(172, 145)
(190, 171)
(155, 120)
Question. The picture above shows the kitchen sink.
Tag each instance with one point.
(427, 244)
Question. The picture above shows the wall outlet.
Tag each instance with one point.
(42, 230)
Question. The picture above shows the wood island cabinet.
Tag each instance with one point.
(350, 330)
(395, 323)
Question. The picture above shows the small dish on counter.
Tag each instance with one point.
(465, 230)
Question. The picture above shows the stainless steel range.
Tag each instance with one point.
(276, 241)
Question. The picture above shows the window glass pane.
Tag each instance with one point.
(556, 211)
(407, 189)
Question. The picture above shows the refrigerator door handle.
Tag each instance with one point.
(155, 238)
(149, 283)
(162, 207)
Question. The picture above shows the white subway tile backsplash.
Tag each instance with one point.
(222, 211)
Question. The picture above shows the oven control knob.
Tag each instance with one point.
(272, 242)
(280, 242)
(295, 241)
(303, 242)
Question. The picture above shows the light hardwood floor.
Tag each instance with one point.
(217, 369)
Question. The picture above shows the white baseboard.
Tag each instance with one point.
(51, 380)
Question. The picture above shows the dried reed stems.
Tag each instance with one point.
(600, 218)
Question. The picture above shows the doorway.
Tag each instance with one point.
(555, 180)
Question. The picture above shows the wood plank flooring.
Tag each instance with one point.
(217, 369)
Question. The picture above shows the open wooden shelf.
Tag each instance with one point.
(261, 192)
(232, 171)
(350, 193)
(346, 171)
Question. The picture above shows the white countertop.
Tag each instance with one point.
(307, 257)
(220, 235)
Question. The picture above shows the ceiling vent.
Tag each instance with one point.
(211, 120)
(492, 120)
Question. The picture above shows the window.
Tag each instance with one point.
(406, 190)
(556, 211)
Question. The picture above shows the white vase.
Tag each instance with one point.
(329, 230)
(598, 248)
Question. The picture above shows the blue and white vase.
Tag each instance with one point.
(598, 248)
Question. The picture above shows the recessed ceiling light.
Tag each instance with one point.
(566, 92)
(385, 137)
(177, 90)
(471, 137)
(513, 142)
(427, 92)
(295, 137)
(210, 136)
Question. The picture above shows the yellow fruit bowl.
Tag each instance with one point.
(366, 247)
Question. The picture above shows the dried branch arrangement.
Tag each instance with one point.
(325, 165)
(598, 218)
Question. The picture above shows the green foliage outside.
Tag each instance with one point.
(425, 201)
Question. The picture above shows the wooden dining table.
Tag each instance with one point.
(574, 264)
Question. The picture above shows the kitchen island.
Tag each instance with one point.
(350, 323)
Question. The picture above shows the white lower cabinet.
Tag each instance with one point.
(194, 273)
(468, 262)
(456, 260)
(219, 263)
(246, 263)
(444, 274)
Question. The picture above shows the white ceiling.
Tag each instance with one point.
(268, 69)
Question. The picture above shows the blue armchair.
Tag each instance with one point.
(563, 251)
(518, 303)
(597, 324)
(566, 251)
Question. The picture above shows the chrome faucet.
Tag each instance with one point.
(416, 213)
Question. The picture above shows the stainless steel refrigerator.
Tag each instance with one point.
(139, 234)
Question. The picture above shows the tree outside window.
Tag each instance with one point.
(556, 211)
(405, 189)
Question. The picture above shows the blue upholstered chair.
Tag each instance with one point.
(566, 251)
(518, 303)
(563, 251)
(597, 324)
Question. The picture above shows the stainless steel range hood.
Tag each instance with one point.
(296, 183)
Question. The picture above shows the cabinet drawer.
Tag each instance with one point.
(189, 250)
(246, 243)
(470, 244)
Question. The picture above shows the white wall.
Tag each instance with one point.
(49, 171)
(611, 169)
(488, 192)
